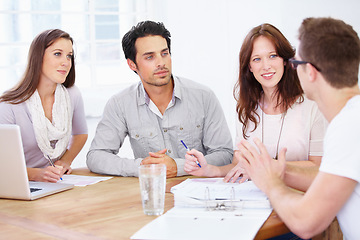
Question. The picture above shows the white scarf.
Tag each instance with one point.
(52, 138)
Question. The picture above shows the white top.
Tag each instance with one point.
(342, 158)
(302, 134)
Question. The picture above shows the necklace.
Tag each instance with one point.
(281, 127)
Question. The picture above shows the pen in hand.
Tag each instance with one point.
(52, 164)
(197, 162)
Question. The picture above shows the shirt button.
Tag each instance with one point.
(150, 134)
(137, 135)
(169, 151)
(198, 126)
(181, 128)
(165, 130)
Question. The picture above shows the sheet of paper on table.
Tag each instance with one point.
(194, 216)
(197, 223)
(198, 192)
(82, 181)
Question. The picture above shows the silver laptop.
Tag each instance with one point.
(14, 183)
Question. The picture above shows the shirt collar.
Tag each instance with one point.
(145, 99)
(177, 89)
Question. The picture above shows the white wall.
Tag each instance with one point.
(207, 35)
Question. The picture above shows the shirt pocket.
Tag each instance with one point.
(192, 135)
(144, 140)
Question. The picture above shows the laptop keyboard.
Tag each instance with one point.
(35, 189)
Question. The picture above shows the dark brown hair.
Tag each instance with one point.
(248, 91)
(334, 47)
(143, 29)
(23, 90)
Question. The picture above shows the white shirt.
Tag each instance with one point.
(342, 158)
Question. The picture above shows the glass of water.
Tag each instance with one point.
(152, 178)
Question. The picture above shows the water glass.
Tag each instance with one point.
(152, 178)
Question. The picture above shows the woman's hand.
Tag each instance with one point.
(236, 172)
(48, 174)
(191, 167)
(66, 169)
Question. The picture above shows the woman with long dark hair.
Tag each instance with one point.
(270, 106)
(48, 107)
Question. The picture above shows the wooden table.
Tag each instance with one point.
(107, 210)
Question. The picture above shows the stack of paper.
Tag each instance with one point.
(191, 218)
(204, 192)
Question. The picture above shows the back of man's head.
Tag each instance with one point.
(334, 47)
(143, 29)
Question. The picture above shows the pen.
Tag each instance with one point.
(197, 162)
(52, 164)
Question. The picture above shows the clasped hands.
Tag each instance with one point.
(160, 157)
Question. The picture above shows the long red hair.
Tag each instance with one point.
(248, 91)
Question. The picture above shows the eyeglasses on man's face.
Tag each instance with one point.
(295, 63)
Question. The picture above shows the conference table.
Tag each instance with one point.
(109, 209)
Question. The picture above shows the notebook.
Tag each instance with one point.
(14, 183)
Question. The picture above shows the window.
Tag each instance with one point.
(96, 26)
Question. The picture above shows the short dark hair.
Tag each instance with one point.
(143, 29)
(334, 47)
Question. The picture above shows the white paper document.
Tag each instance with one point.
(197, 223)
(199, 192)
(81, 181)
(239, 213)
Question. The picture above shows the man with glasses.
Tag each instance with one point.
(295, 63)
(327, 64)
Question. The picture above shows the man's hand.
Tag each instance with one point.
(261, 168)
(161, 157)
